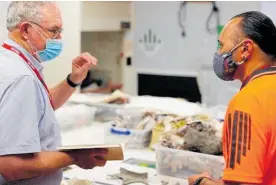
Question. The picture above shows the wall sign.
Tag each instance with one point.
(150, 43)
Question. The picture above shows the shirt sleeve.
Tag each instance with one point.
(20, 110)
(244, 141)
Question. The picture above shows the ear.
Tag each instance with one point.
(247, 49)
(24, 29)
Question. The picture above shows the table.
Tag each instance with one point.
(94, 134)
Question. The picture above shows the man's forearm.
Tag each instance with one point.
(98, 90)
(33, 165)
(61, 93)
(206, 181)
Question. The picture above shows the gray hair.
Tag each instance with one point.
(20, 11)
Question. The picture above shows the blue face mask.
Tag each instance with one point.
(52, 50)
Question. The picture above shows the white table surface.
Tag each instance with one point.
(94, 134)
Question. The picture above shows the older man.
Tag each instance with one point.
(29, 132)
(248, 53)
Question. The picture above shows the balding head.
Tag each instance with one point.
(31, 23)
(20, 11)
(248, 41)
(231, 35)
(253, 26)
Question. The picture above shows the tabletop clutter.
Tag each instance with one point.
(184, 145)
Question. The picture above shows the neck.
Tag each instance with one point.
(253, 66)
(16, 38)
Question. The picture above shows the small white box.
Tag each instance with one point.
(182, 164)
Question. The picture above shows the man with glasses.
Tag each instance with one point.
(29, 132)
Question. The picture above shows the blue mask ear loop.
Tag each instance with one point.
(234, 50)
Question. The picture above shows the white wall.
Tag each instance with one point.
(129, 76)
(3, 14)
(56, 70)
(268, 8)
(177, 55)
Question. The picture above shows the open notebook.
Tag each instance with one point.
(115, 151)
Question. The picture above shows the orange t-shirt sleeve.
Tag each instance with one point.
(244, 142)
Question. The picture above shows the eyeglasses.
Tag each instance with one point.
(55, 32)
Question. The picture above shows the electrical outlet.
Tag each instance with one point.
(128, 61)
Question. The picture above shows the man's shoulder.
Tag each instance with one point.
(261, 86)
(244, 99)
(20, 83)
(12, 68)
(258, 91)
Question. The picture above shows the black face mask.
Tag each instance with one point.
(224, 66)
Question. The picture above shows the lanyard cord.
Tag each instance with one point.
(13, 49)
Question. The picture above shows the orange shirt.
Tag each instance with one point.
(249, 133)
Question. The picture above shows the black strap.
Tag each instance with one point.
(70, 83)
(198, 181)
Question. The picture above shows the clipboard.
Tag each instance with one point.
(115, 151)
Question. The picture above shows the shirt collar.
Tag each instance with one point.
(34, 61)
(258, 73)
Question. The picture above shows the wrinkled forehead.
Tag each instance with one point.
(231, 32)
(51, 16)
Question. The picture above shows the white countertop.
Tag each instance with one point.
(94, 134)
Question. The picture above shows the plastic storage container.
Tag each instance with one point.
(132, 138)
(182, 164)
(155, 137)
(105, 114)
(218, 112)
(70, 116)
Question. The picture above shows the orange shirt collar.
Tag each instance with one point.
(258, 73)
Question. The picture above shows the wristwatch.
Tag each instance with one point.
(70, 83)
(198, 181)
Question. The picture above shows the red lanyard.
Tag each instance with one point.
(11, 48)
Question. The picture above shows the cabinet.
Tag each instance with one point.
(104, 16)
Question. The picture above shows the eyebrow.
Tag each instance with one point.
(219, 42)
(55, 28)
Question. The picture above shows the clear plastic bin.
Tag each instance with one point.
(132, 138)
(105, 114)
(217, 112)
(71, 116)
(182, 164)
